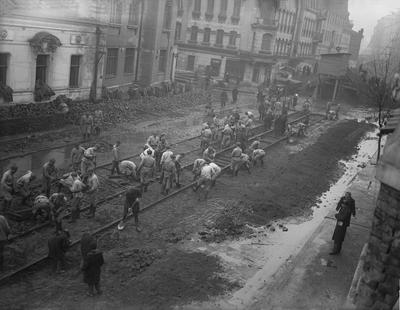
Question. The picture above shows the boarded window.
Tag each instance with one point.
(74, 71)
(129, 60)
(162, 62)
(112, 62)
(41, 68)
(3, 68)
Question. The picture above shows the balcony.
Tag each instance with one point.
(322, 15)
(265, 24)
(318, 37)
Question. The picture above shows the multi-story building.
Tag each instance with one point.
(251, 39)
(74, 46)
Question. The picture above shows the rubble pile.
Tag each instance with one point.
(231, 223)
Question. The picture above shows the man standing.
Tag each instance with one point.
(77, 195)
(22, 185)
(57, 203)
(160, 149)
(8, 186)
(235, 93)
(236, 159)
(4, 233)
(93, 186)
(197, 165)
(346, 207)
(132, 199)
(226, 136)
(116, 158)
(86, 125)
(169, 175)
(58, 246)
(49, 175)
(88, 160)
(152, 141)
(98, 122)
(146, 169)
(76, 157)
(178, 166)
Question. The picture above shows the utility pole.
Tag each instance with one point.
(93, 91)
(139, 40)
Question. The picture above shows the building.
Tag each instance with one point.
(66, 44)
(251, 40)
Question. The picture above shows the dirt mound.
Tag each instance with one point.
(178, 278)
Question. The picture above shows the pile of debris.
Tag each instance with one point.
(134, 260)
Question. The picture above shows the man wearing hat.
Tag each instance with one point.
(8, 186)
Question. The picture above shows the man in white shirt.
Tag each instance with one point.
(205, 180)
(197, 165)
(258, 156)
(116, 158)
(88, 160)
(216, 172)
(77, 195)
(128, 169)
(93, 187)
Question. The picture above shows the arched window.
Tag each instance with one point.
(266, 42)
(220, 37)
(168, 14)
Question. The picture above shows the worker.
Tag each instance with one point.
(98, 122)
(57, 210)
(76, 157)
(268, 120)
(49, 175)
(206, 137)
(209, 154)
(160, 149)
(236, 159)
(258, 156)
(146, 169)
(245, 162)
(226, 136)
(248, 124)
(145, 149)
(93, 185)
(152, 141)
(132, 199)
(8, 186)
(166, 156)
(223, 98)
(235, 93)
(92, 268)
(116, 158)
(22, 185)
(41, 208)
(58, 246)
(205, 180)
(169, 174)
(328, 109)
(4, 233)
(88, 160)
(77, 189)
(178, 165)
(197, 165)
(86, 124)
(215, 173)
(254, 145)
(128, 169)
(241, 136)
(66, 181)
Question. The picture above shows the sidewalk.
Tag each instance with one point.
(314, 279)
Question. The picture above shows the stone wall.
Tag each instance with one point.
(30, 118)
(379, 283)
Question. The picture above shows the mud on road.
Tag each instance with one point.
(153, 269)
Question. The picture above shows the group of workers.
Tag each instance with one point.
(90, 125)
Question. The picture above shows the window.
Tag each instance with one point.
(222, 10)
(180, 7)
(266, 42)
(193, 33)
(256, 74)
(232, 38)
(162, 61)
(129, 60)
(236, 8)
(178, 31)
(207, 34)
(220, 37)
(74, 71)
(168, 14)
(41, 68)
(210, 9)
(112, 61)
(133, 13)
(197, 9)
(116, 12)
(3, 68)
(190, 63)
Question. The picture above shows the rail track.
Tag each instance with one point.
(109, 215)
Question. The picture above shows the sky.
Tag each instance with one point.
(365, 14)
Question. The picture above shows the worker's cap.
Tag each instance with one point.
(14, 167)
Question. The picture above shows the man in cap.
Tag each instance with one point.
(146, 169)
(49, 175)
(236, 160)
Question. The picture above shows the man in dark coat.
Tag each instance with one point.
(346, 207)
(58, 246)
(92, 269)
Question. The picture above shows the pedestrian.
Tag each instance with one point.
(197, 165)
(169, 174)
(92, 268)
(235, 93)
(226, 136)
(223, 98)
(116, 158)
(236, 159)
(8, 187)
(86, 124)
(91, 193)
(205, 180)
(88, 160)
(346, 207)
(77, 194)
(49, 175)
(215, 173)
(178, 166)
(22, 187)
(4, 233)
(76, 157)
(209, 154)
(58, 246)
(128, 169)
(132, 199)
(258, 156)
(57, 203)
(146, 169)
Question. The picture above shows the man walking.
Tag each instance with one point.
(346, 208)
(116, 158)
(169, 175)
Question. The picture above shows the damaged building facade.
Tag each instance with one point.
(75, 47)
(250, 40)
